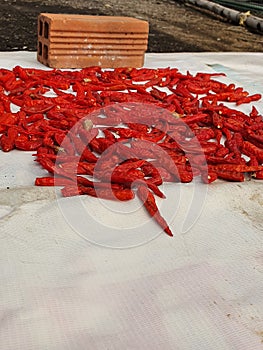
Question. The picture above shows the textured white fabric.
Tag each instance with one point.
(89, 274)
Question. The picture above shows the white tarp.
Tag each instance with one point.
(91, 274)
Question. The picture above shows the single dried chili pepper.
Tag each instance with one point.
(150, 170)
(77, 168)
(97, 184)
(126, 178)
(209, 177)
(194, 118)
(26, 143)
(138, 127)
(227, 133)
(229, 159)
(254, 112)
(258, 175)
(149, 203)
(7, 142)
(8, 119)
(37, 106)
(240, 168)
(6, 103)
(53, 181)
(218, 136)
(104, 193)
(250, 149)
(154, 187)
(205, 134)
(82, 149)
(254, 137)
(142, 74)
(125, 133)
(221, 151)
(230, 175)
(233, 125)
(159, 95)
(57, 158)
(100, 144)
(217, 120)
(248, 99)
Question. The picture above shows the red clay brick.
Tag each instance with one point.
(77, 41)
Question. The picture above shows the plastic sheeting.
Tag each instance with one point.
(90, 274)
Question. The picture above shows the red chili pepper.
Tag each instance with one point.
(159, 95)
(230, 175)
(198, 87)
(248, 148)
(44, 152)
(5, 102)
(7, 142)
(8, 119)
(166, 175)
(204, 147)
(258, 175)
(217, 120)
(209, 177)
(150, 170)
(82, 149)
(138, 127)
(194, 118)
(53, 181)
(221, 151)
(233, 125)
(248, 99)
(77, 168)
(25, 143)
(33, 118)
(125, 133)
(177, 104)
(205, 134)
(181, 90)
(142, 74)
(97, 184)
(254, 137)
(218, 136)
(223, 160)
(126, 178)
(37, 106)
(121, 195)
(240, 168)
(47, 164)
(149, 202)
(100, 144)
(227, 133)
(254, 112)
(153, 82)
(154, 188)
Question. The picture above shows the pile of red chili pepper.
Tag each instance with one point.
(114, 133)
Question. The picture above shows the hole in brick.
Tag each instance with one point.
(40, 49)
(40, 28)
(45, 52)
(46, 30)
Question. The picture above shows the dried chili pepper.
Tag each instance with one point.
(149, 202)
(7, 142)
(104, 193)
(230, 175)
(249, 148)
(53, 181)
